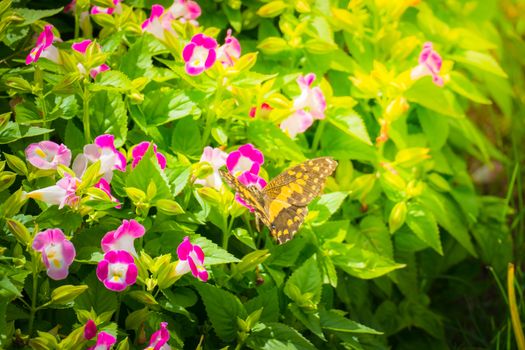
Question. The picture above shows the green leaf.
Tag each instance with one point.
(322, 209)
(223, 309)
(186, 137)
(359, 262)
(234, 16)
(277, 336)
(309, 318)
(351, 124)
(435, 127)
(481, 61)
(148, 171)
(306, 280)
(424, 225)
(461, 85)
(14, 131)
(334, 320)
(112, 81)
(435, 98)
(336, 143)
(97, 297)
(108, 115)
(269, 301)
(67, 293)
(163, 106)
(273, 142)
(213, 253)
(137, 61)
(31, 16)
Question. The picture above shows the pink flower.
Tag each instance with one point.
(429, 64)
(159, 339)
(44, 47)
(298, 122)
(103, 185)
(140, 150)
(159, 22)
(95, 10)
(217, 159)
(104, 150)
(185, 11)
(246, 158)
(311, 99)
(199, 54)
(228, 53)
(123, 237)
(48, 155)
(90, 329)
(117, 270)
(104, 342)
(264, 110)
(58, 253)
(191, 258)
(61, 194)
(82, 47)
(249, 179)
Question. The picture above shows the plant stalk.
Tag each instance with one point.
(85, 114)
(514, 312)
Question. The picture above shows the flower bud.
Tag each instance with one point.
(397, 216)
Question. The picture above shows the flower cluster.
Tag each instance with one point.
(309, 106)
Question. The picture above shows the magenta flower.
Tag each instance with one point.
(48, 155)
(82, 47)
(228, 53)
(199, 54)
(61, 194)
(191, 258)
(298, 122)
(185, 11)
(90, 329)
(123, 237)
(249, 179)
(217, 159)
(264, 110)
(311, 99)
(159, 22)
(117, 270)
(58, 253)
(246, 158)
(104, 342)
(117, 8)
(104, 150)
(44, 47)
(159, 339)
(103, 185)
(140, 150)
(429, 64)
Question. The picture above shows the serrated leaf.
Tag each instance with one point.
(277, 336)
(333, 320)
(351, 124)
(213, 253)
(307, 279)
(424, 225)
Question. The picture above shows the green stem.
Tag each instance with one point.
(34, 308)
(318, 134)
(211, 114)
(85, 114)
(225, 232)
(42, 100)
(119, 304)
(77, 24)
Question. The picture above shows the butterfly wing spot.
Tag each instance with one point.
(291, 172)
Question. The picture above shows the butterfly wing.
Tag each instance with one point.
(289, 193)
(250, 194)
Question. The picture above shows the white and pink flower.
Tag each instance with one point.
(61, 194)
(48, 154)
(429, 64)
(185, 11)
(159, 22)
(104, 150)
(230, 52)
(117, 8)
(104, 342)
(123, 237)
(246, 158)
(103, 185)
(82, 47)
(117, 270)
(44, 47)
(191, 258)
(159, 339)
(199, 54)
(90, 329)
(57, 251)
(217, 159)
(297, 123)
(140, 150)
(248, 179)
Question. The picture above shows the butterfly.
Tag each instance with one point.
(282, 204)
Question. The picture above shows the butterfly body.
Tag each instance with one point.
(282, 204)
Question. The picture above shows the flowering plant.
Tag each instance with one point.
(118, 232)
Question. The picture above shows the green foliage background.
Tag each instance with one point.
(408, 259)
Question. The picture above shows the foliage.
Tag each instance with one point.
(392, 254)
